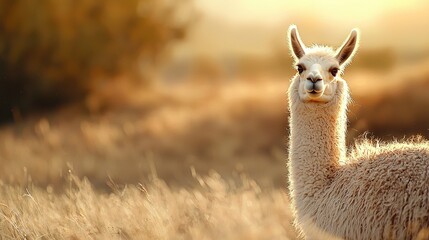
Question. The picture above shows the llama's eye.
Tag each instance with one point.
(300, 69)
(334, 71)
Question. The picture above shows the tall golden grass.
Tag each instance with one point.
(217, 209)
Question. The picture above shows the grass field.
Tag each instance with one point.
(202, 164)
(214, 210)
(206, 161)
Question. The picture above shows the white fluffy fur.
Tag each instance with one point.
(377, 191)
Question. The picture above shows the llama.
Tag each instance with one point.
(378, 190)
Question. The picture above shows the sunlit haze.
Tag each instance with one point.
(255, 26)
(274, 11)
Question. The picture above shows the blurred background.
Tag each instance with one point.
(119, 91)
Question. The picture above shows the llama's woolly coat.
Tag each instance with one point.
(377, 191)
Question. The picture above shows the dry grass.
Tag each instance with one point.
(216, 209)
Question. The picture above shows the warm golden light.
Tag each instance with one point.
(168, 119)
(275, 11)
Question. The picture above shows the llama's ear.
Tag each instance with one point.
(295, 44)
(346, 52)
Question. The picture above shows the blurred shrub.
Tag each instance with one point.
(54, 51)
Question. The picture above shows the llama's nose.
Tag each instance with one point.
(314, 79)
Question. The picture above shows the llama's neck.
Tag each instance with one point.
(317, 142)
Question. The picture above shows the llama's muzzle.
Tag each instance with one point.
(314, 86)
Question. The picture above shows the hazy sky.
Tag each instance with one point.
(259, 26)
(274, 11)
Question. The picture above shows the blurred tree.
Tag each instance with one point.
(52, 51)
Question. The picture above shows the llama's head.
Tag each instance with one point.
(319, 67)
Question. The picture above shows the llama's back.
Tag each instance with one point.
(382, 192)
